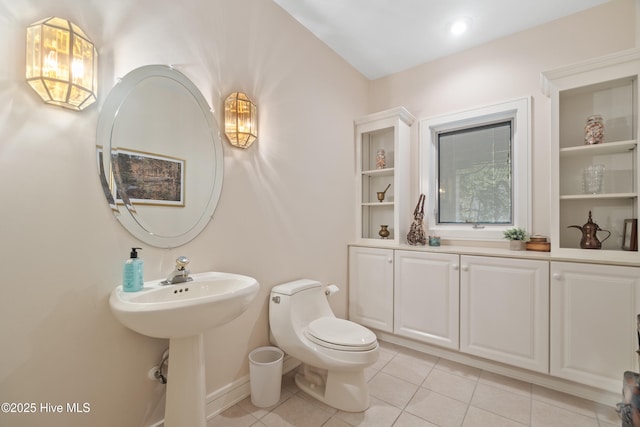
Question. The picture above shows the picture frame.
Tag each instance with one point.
(148, 179)
(630, 235)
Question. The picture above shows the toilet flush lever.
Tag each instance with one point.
(331, 289)
(276, 299)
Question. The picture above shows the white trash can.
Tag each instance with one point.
(265, 375)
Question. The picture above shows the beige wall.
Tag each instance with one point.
(504, 70)
(286, 209)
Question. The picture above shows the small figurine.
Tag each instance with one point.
(381, 159)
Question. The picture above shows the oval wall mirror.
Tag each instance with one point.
(159, 153)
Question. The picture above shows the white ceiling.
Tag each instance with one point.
(381, 37)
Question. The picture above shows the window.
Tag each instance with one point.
(474, 168)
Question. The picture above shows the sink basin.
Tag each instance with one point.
(185, 309)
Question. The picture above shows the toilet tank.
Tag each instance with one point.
(303, 300)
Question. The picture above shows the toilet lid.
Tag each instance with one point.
(341, 334)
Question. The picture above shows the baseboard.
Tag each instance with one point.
(227, 396)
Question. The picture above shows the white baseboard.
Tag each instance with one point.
(227, 396)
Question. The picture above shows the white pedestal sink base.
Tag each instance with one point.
(185, 399)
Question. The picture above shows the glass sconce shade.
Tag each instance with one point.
(240, 120)
(62, 63)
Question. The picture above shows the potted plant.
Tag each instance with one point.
(517, 238)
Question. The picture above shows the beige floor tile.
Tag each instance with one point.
(607, 414)
(390, 347)
(384, 357)
(296, 412)
(506, 383)
(436, 408)
(451, 385)
(563, 400)
(393, 390)
(336, 422)
(379, 414)
(302, 395)
(235, 416)
(458, 369)
(261, 412)
(546, 415)
(408, 420)
(410, 367)
(477, 417)
(607, 424)
(502, 402)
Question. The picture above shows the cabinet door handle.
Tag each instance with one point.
(455, 266)
(465, 268)
(557, 276)
(389, 260)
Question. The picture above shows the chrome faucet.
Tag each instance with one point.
(180, 274)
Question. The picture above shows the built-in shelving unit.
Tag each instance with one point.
(608, 87)
(384, 134)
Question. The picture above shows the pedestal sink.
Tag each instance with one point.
(182, 313)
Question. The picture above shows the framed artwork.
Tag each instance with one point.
(630, 235)
(147, 178)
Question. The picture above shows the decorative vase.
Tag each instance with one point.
(594, 130)
(384, 231)
(517, 245)
(381, 159)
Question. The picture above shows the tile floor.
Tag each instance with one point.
(410, 389)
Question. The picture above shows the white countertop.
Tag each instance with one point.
(590, 256)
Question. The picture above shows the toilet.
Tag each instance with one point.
(333, 351)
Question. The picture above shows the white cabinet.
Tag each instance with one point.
(371, 287)
(593, 322)
(504, 310)
(382, 157)
(426, 297)
(607, 87)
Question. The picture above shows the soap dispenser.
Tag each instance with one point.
(132, 275)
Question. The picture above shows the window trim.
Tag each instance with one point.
(519, 111)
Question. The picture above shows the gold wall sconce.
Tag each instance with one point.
(240, 120)
(62, 63)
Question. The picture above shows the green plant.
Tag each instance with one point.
(515, 234)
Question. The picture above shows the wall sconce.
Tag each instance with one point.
(240, 120)
(62, 63)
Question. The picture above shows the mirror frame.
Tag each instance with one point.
(106, 122)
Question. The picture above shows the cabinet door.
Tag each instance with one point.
(426, 296)
(371, 287)
(504, 310)
(593, 322)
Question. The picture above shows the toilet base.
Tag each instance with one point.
(343, 390)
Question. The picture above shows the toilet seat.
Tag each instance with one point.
(340, 334)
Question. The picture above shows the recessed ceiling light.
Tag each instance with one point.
(459, 26)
